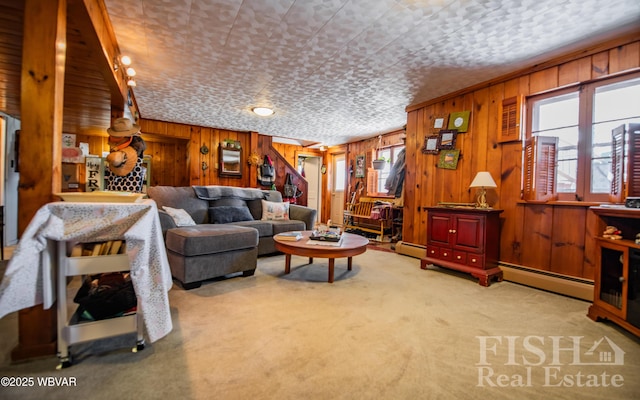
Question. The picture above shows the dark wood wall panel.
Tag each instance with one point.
(512, 231)
(568, 238)
(600, 65)
(623, 58)
(537, 238)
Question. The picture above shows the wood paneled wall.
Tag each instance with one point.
(168, 158)
(552, 237)
(177, 159)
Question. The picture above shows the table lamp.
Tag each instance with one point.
(483, 180)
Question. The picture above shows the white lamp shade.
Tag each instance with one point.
(483, 179)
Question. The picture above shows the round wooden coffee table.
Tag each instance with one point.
(351, 245)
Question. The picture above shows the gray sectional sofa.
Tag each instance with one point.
(228, 231)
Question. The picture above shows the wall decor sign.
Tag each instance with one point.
(430, 144)
(360, 161)
(449, 159)
(447, 139)
(459, 121)
(94, 173)
(68, 140)
(439, 122)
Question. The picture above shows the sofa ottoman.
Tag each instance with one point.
(207, 251)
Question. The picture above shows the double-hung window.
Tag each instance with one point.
(568, 147)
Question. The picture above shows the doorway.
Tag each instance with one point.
(309, 167)
(338, 184)
(11, 180)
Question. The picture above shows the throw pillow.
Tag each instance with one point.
(274, 211)
(227, 214)
(180, 216)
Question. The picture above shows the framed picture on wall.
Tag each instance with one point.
(449, 159)
(459, 121)
(360, 159)
(430, 144)
(447, 139)
(439, 122)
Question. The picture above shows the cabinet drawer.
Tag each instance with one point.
(446, 254)
(475, 260)
(433, 251)
(460, 257)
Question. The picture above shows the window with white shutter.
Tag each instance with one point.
(591, 163)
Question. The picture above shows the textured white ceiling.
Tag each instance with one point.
(336, 71)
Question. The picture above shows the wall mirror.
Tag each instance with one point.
(230, 162)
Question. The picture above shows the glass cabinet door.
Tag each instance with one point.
(633, 288)
(612, 276)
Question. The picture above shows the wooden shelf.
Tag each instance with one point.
(616, 211)
(623, 242)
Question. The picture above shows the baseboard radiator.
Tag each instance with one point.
(545, 280)
(410, 249)
(567, 285)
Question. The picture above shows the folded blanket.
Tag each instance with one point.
(218, 192)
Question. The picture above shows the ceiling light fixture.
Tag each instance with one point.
(262, 111)
(129, 72)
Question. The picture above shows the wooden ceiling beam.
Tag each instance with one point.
(92, 20)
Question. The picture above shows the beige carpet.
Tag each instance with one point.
(386, 330)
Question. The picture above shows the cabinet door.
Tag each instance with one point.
(439, 229)
(469, 233)
(610, 287)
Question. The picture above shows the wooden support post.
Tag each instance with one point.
(253, 170)
(42, 100)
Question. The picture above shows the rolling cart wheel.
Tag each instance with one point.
(64, 363)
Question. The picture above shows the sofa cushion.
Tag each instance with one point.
(210, 238)
(265, 228)
(256, 205)
(272, 211)
(180, 197)
(179, 216)
(228, 201)
(227, 214)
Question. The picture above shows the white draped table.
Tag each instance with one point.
(29, 280)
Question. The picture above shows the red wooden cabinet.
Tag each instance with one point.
(464, 239)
